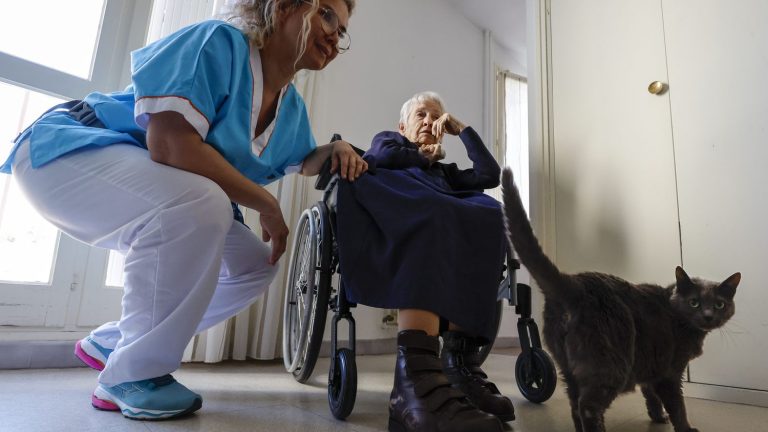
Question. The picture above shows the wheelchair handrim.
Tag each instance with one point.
(292, 358)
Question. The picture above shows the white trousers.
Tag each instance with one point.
(187, 265)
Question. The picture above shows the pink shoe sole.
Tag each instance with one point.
(103, 405)
(88, 360)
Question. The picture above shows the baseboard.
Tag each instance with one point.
(60, 354)
(38, 355)
(726, 394)
(389, 346)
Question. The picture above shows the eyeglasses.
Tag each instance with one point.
(330, 22)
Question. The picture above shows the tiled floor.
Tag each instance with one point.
(261, 396)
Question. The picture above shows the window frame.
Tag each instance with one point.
(123, 28)
(30, 309)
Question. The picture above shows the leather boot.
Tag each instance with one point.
(461, 364)
(422, 399)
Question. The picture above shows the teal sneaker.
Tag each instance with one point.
(91, 353)
(153, 399)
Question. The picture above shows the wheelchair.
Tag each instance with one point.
(309, 295)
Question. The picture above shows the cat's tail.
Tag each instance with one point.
(524, 242)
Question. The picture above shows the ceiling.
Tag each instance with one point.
(504, 18)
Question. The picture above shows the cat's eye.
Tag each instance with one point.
(719, 305)
(694, 303)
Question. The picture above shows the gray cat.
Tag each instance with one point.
(609, 335)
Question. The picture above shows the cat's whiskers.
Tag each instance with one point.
(728, 336)
(725, 336)
(735, 323)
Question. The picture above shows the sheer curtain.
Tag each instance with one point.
(255, 331)
(510, 143)
(516, 130)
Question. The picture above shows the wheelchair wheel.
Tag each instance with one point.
(535, 375)
(306, 295)
(342, 384)
(486, 349)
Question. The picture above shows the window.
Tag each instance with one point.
(516, 131)
(27, 241)
(52, 51)
(39, 43)
(511, 137)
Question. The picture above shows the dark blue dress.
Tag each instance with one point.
(415, 236)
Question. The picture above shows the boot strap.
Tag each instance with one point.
(428, 383)
(455, 344)
(410, 340)
(438, 398)
(456, 341)
(423, 363)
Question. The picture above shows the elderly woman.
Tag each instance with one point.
(420, 236)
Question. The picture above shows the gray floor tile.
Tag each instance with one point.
(261, 396)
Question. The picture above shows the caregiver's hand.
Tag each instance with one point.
(273, 228)
(346, 160)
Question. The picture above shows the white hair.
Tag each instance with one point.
(417, 98)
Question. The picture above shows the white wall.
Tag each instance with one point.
(399, 47)
(510, 60)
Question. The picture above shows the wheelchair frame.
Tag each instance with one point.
(309, 295)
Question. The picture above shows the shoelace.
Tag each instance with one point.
(161, 381)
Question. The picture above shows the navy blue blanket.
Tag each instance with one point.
(421, 236)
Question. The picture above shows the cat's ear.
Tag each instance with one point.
(684, 283)
(727, 289)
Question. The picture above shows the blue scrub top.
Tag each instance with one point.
(207, 72)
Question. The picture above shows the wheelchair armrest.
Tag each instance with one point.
(324, 176)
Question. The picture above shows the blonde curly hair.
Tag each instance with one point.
(256, 18)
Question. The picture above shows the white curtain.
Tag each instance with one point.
(254, 332)
(510, 142)
(171, 15)
(516, 130)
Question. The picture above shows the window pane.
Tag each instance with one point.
(516, 128)
(27, 241)
(54, 33)
(115, 276)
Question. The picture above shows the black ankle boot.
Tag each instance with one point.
(422, 399)
(461, 364)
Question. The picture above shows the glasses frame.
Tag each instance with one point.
(330, 22)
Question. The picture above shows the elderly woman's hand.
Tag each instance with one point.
(433, 152)
(446, 123)
(346, 160)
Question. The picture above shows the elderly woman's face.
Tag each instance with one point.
(418, 125)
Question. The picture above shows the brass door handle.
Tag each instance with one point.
(657, 88)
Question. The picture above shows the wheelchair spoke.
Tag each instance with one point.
(305, 293)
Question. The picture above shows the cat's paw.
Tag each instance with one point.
(659, 417)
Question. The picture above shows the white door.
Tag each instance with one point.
(717, 72)
(615, 204)
(50, 52)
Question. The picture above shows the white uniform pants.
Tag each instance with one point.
(187, 265)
